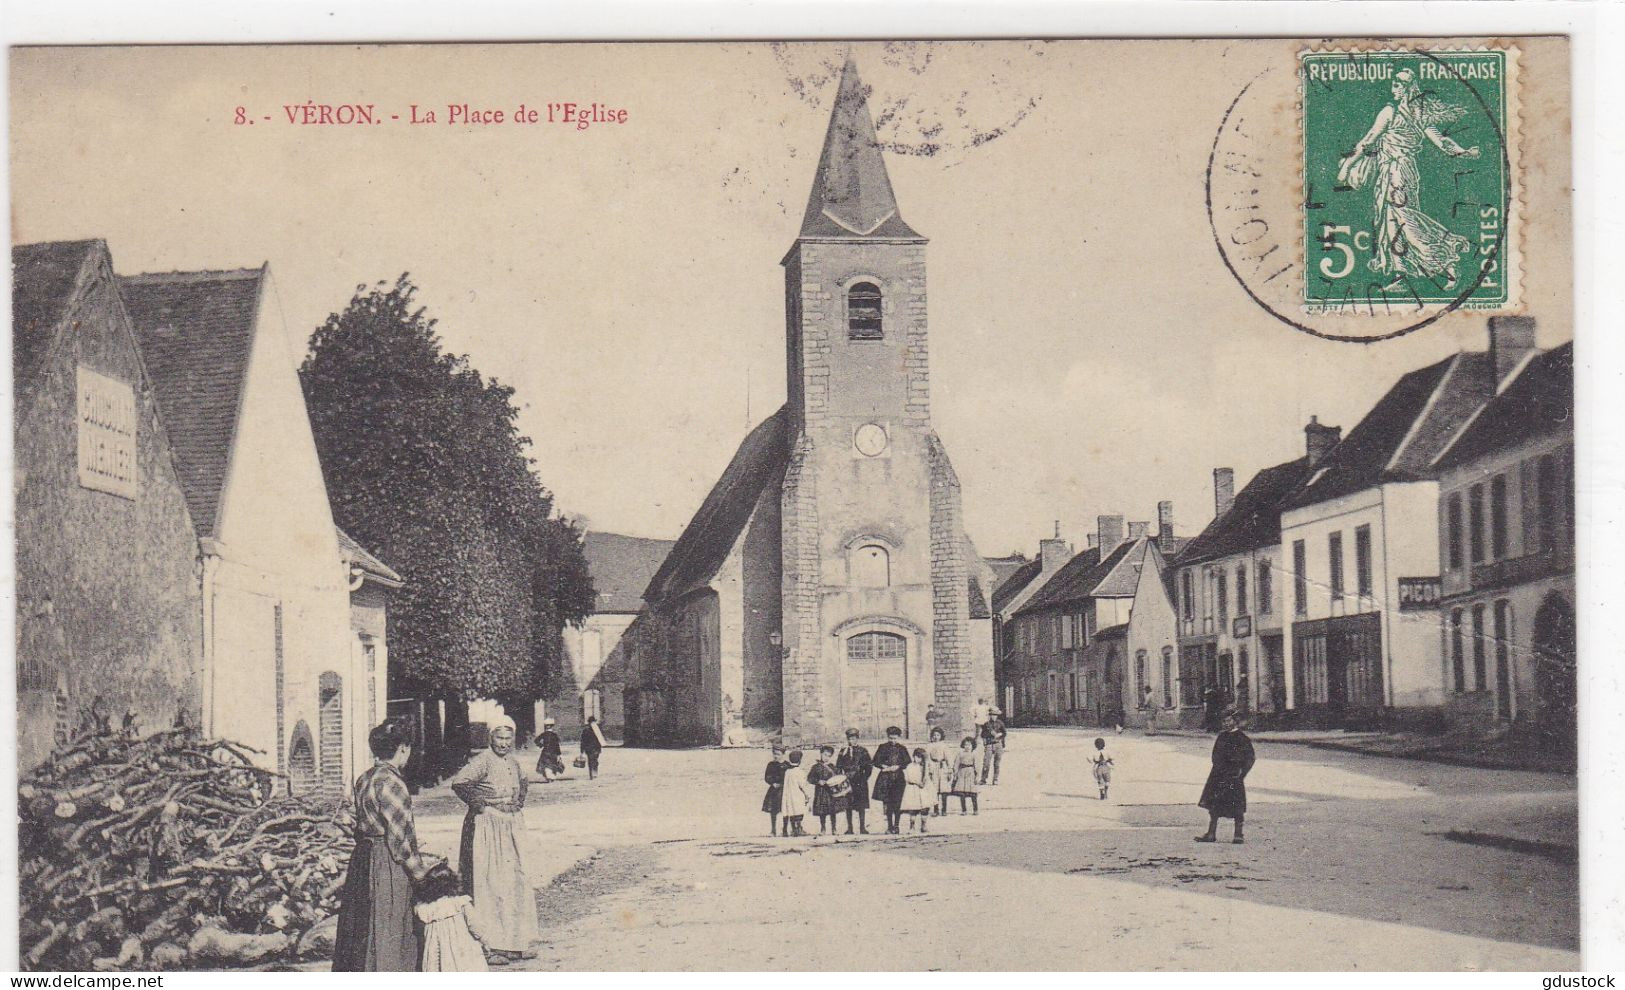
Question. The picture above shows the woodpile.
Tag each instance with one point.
(170, 851)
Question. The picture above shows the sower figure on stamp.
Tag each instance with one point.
(1225, 794)
(494, 788)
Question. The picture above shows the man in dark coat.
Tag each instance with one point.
(552, 747)
(853, 760)
(1225, 794)
(891, 758)
(1211, 709)
(592, 745)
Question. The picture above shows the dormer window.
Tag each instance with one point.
(863, 312)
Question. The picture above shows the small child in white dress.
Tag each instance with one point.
(448, 944)
(1102, 761)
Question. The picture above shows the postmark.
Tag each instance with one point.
(1408, 179)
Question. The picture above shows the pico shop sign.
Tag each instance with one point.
(107, 428)
(1417, 593)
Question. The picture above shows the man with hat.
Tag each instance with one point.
(1225, 794)
(552, 747)
(854, 761)
(891, 759)
(992, 744)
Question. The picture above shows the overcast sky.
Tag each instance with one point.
(1089, 351)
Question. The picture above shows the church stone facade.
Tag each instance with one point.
(827, 581)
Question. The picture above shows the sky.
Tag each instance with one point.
(1090, 352)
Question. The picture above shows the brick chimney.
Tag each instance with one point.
(1319, 440)
(1224, 490)
(1138, 529)
(1053, 553)
(1512, 338)
(1110, 529)
(1165, 520)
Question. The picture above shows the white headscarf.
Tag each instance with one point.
(503, 722)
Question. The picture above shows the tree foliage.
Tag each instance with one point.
(427, 469)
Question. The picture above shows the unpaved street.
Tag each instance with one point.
(1352, 862)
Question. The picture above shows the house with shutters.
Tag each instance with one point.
(1227, 591)
(1361, 545)
(108, 607)
(293, 658)
(1506, 543)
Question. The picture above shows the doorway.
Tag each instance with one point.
(876, 682)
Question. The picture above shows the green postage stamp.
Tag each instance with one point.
(1409, 179)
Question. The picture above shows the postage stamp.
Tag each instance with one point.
(1409, 184)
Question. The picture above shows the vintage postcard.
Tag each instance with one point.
(1081, 504)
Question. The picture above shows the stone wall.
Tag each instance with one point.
(108, 599)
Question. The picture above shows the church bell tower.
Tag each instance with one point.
(874, 610)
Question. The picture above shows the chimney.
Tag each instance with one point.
(1094, 540)
(1110, 529)
(1052, 555)
(1224, 490)
(1512, 338)
(1138, 529)
(1319, 440)
(1165, 521)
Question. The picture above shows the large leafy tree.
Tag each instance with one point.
(426, 468)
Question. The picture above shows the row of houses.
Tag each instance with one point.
(177, 558)
(1418, 571)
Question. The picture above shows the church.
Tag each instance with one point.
(826, 581)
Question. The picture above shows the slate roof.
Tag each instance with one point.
(1077, 578)
(196, 331)
(358, 555)
(711, 534)
(1004, 567)
(852, 194)
(1012, 586)
(1254, 518)
(1112, 632)
(1407, 428)
(1539, 401)
(43, 280)
(1123, 580)
(621, 567)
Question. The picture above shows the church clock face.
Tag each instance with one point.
(870, 439)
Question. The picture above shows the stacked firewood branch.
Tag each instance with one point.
(170, 851)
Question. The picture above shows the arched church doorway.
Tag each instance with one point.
(1555, 681)
(876, 681)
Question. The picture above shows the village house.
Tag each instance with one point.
(1228, 592)
(826, 580)
(294, 658)
(1010, 595)
(1097, 632)
(1506, 542)
(109, 614)
(1361, 545)
(595, 663)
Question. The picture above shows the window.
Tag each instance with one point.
(1188, 594)
(1139, 678)
(863, 307)
(876, 646)
(1221, 592)
(871, 566)
(1300, 578)
(1498, 517)
(1241, 589)
(1266, 588)
(369, 649)
(1479, 679)
(1080, 630)
(1458, 665)
(1334, 555)
(1066, 633)
(1475, 524)
(1453, 529)
(1167, 677)
(1362, 560)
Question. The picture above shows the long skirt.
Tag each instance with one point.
(377, 932)
(504, 910)
(1224, 795)
(773, 800)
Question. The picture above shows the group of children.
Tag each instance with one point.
(916, 784)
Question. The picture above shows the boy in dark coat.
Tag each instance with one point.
(854, 761)
(773, 800)
(1225, 794)
(891, 758)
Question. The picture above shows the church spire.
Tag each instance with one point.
(852, 194)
